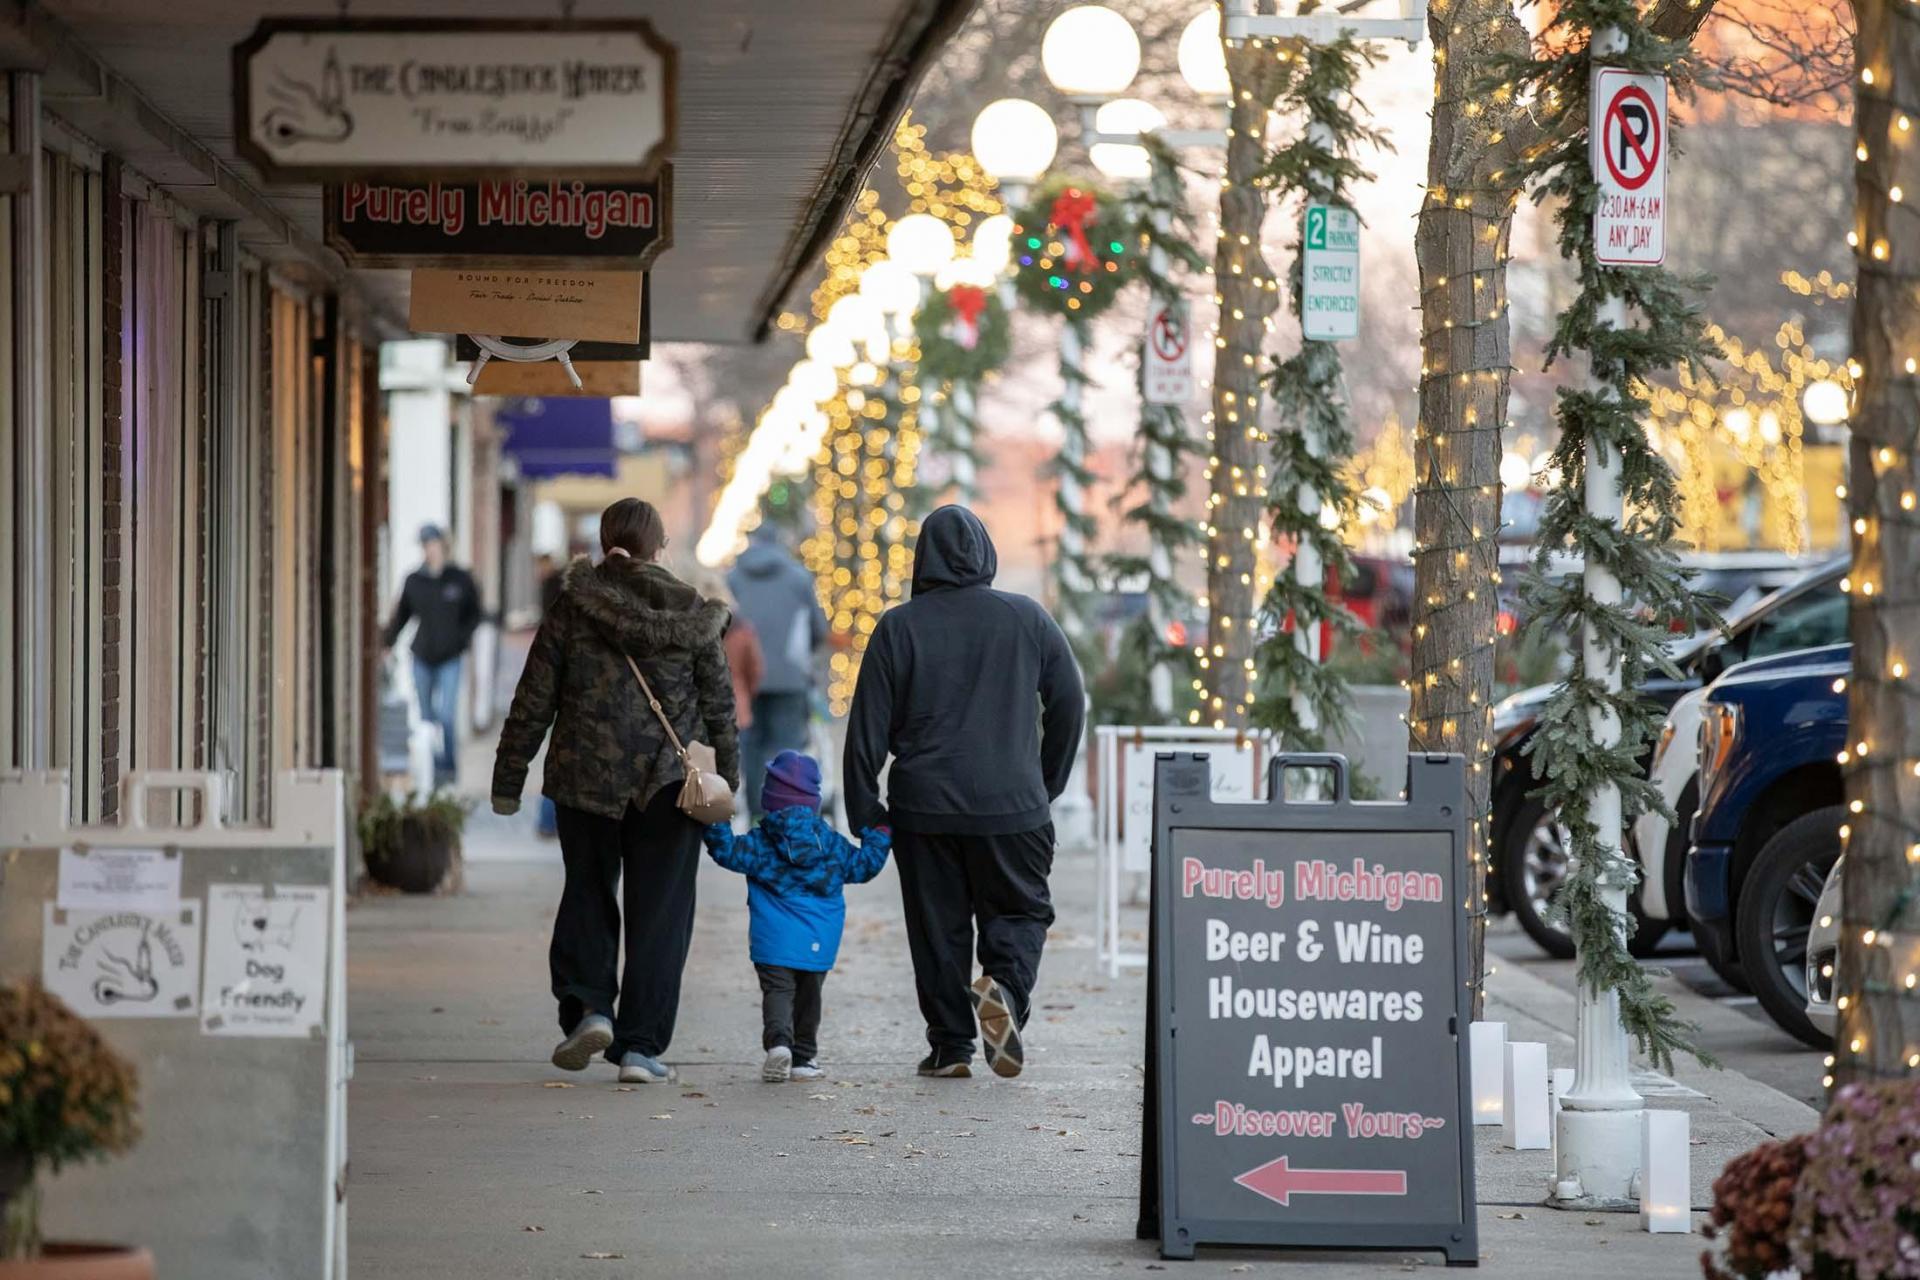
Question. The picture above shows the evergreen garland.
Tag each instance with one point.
(1073, 566)
(1162, 228)
(1310, 449)
(964, 332)
(1070, 255)
(1640, 551)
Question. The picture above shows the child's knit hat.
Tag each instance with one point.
(792, 779)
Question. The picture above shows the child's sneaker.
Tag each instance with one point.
(807, 1071)
(947, 1064)
(999, 1030)
(778, 1068)
(638, 1068)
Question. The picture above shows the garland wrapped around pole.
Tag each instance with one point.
(1299, 697)
(1149, 663)
(965, 334)
(1071, 260)
(1615, 511)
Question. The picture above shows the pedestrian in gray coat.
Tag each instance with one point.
(775, 593)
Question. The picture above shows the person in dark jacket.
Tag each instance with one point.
(776, 594)
(796, 867)
(976, 696)
(614, 778)
(441, 599)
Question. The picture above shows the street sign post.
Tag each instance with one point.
(1330, 271)
(1628, 142)
(1307, 1074)
(1168, 376)
(355, 98)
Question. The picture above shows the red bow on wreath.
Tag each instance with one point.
(1070, 212)
(968, 303)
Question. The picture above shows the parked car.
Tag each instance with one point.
(1529, 857)
(1767, 831)
(1823, 955)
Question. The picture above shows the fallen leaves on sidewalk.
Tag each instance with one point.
(533, 1228)
(846, 1137)
(1515, 1214)
(604, 1257)
(664, 1115)
(555, 1084)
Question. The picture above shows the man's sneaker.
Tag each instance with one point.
(999, 1030)
(778, 1068)
(638, 1068)
(807, 1071)
(947, 1064)
(591, 1037)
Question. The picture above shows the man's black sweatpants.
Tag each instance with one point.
(949, 884)
(658, 849)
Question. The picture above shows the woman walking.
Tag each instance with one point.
(613, 774)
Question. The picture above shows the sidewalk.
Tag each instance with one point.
(472, 1157)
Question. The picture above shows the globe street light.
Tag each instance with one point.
(1090, 52)
(1203, 58)
(993, 243)
(890, 286)
(1124, 161)
(920, 243)
(1014, 141)
(1824, 401)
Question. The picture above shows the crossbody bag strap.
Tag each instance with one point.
(654, 702)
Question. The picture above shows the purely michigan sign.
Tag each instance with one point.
(1308, 1081)
(353, 98)
(506, 222)
(1330, 274)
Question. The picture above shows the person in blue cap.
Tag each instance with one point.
(796, 867)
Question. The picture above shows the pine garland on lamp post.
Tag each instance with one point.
(964, 335)
(1879, 967)
(1071, 261)
(1615, 510)
(1299, 697)
(1147, 659)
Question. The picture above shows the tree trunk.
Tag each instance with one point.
(1248, 296)
(1880, 906)
(1461, 245)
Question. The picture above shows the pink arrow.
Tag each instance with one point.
(1277, 1182)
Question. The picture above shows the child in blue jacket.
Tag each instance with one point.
(795, 866)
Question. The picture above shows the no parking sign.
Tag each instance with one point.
(1628, 149)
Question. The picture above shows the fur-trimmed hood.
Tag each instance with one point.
(641, 608)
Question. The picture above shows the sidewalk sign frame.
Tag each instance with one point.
(1435, 809)
(237, 1129)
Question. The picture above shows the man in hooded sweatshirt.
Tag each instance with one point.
(776, 595)
(976, 696)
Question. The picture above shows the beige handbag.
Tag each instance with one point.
(704, 796)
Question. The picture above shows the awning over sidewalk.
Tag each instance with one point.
(783, 108)
(563, 436)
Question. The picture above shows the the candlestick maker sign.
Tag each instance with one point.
(1307, 1007)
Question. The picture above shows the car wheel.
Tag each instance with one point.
(1774, 914)
(1533, 863)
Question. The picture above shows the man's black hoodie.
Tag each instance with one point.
(974, 692)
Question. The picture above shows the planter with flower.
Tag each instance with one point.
(65, 1097)
(413, 844)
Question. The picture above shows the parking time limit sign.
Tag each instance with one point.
(1628, 142)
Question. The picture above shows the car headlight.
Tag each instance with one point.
(1719, 730)
(1660, 748)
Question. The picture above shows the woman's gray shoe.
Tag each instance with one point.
(638, 1068)
(592, 1036)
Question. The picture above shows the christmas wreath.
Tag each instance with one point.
(1071, 250)
(963, 332)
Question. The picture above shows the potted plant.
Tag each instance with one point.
(64, 1096)
(413, 844)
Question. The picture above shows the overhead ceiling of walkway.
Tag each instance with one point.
(784, 104)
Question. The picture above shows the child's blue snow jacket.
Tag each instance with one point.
(796, 864)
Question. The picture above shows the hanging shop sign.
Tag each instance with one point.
(1307, 1002)
(346, 99)
(1627, 145)
(1167, 377)
(507, 222)
(600, 305)
(1330, 274)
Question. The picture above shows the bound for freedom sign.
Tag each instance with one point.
(1309, 1012)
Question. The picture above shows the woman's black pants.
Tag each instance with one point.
(658, 850)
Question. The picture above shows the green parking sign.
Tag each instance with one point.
(1330, 273)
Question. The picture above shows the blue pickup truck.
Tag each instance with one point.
(1767, 829)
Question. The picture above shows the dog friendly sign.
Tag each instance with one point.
(266, 960)
(1307, 1064)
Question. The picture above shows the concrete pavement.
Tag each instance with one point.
(472, 1157)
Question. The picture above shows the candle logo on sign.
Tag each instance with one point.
(123, 964)
(305, 112)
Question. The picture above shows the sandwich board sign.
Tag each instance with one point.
(1307, 1074)
(1628, 142)
(1330, 274)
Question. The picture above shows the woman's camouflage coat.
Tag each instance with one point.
(608, 749)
